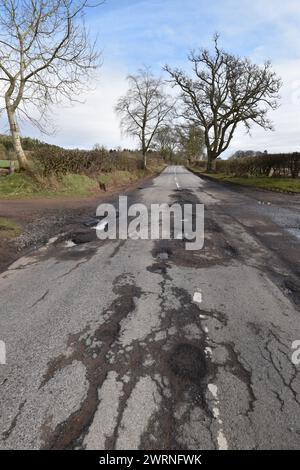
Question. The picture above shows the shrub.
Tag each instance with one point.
(54, 160)
(280, 164)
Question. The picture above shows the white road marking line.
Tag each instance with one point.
(213, 390)
(175, 178)
(221, 439)
(197, 298)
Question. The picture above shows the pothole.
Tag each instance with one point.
(162, 251)
(83, 237)
(188, 362)
(158, 268)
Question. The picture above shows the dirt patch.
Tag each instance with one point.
(42, 219)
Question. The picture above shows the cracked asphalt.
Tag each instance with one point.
(112, 345)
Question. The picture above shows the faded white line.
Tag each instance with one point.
(175, 178)
(197, 297)
(221, 438)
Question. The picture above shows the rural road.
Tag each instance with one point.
(108, 347)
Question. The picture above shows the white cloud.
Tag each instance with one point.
(136, 32)
(93, 121)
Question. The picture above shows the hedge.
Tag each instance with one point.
(58, 161)
(262, 165)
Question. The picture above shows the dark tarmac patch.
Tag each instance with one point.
(83, 237)
(71, 432)
(162, 250)
(158, 268)
(292, 288)
(211, 254)
(231, 251)
(69, 254)
(216, 248)
(188, 362)
(185, 197)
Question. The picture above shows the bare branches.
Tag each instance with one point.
(144, 108)
(226, 90)
(46, 54)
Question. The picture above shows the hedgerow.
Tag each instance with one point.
(61, 161)
(262, 165)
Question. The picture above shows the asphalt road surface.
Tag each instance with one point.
(131, 344)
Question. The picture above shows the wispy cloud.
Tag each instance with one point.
(153, 32)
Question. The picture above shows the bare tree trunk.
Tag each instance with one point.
(15, 133)
(209, 162)
(144, 160)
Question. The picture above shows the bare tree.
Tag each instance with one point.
(45, 55)
(166, 141)
(144, 108)
(225, 91)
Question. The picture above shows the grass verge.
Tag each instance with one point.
(260, 182)
(9, 228)
(24, 186)
(6, 164)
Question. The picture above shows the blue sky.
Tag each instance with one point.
(154, 32)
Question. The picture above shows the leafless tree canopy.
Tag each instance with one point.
(45, 55)
(144, 108)
(225, 90)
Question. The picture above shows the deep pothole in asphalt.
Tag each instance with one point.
(189, 362)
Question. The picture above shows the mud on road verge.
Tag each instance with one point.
(43, 219)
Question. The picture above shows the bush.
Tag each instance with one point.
(280, 164)
(54, 160)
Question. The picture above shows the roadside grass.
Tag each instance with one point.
(9, 228)
(6, 164)
(122, 177)
(261, 182)
(24, 186)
